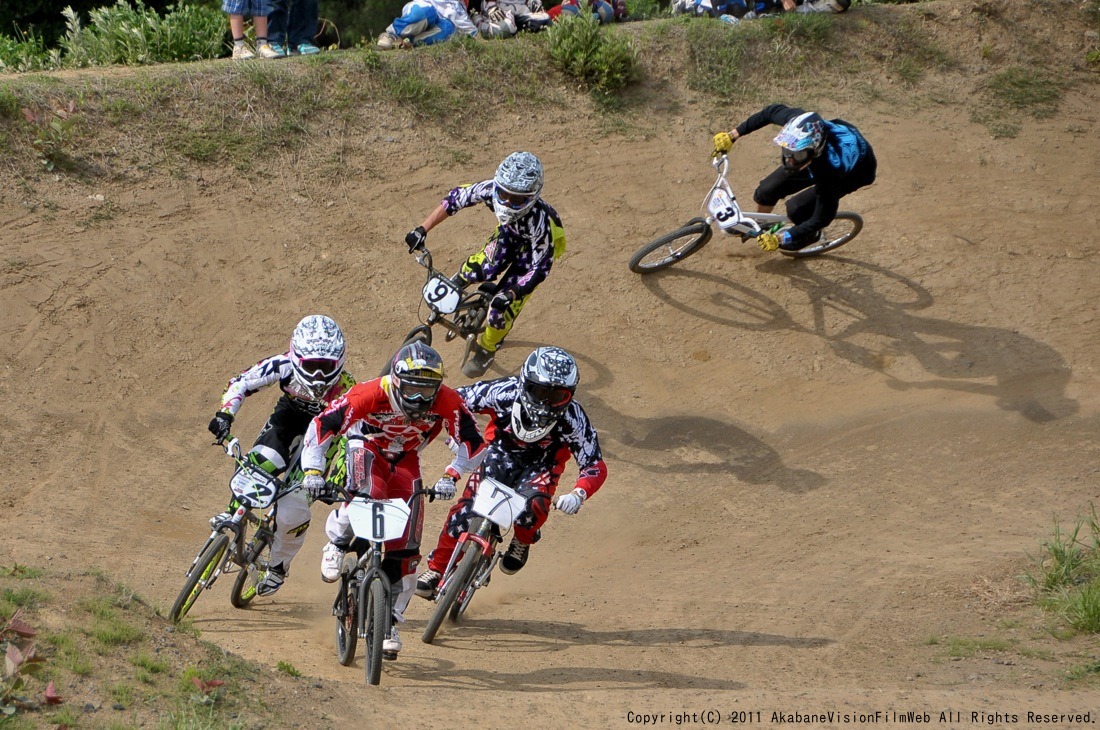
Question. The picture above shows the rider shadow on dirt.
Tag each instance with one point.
(681, 444)
(516, 637)
(864, 313)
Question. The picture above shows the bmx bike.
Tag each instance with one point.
(720, 206)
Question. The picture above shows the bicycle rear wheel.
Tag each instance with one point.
(844, 228)
(457, 584)
(347, 619)
(677, 245)
(374, 629)
(202, 575)
(244, 587)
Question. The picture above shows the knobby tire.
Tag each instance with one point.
(845, 226)
(208, 562)
(244, 587)
(679, 244)
(375, 629)
(459, 582)
(347, 628)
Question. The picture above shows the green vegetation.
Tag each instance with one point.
(67, 636)
(1065, 574)
(603, 62)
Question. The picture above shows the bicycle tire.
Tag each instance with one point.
(697, 230)
(845, 226)
(463, 601)
(459, 581)
(374, 629)
(244, 587)
(347, 626)
(207, 564)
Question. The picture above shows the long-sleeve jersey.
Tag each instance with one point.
(847, 163)
(520, 253)
(369, 412)
(279, 369)
(573, 435)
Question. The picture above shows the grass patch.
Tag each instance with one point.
(960, 647)
(1064, 575)
(288, 668)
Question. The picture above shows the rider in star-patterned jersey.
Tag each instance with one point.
(519, 253)
(311, 375)
(535, 426)
(388, 421)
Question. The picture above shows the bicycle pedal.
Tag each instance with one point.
(390, 656)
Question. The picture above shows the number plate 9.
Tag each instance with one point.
(441, 294)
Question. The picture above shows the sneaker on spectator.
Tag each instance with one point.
(243, 52)
(388, 41)
(280, 50)
(267, 51)
(307, 49)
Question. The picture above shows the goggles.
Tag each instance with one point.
(319, 366)
(798, 157)
(549, 396)
(515, 201)
(419, 392)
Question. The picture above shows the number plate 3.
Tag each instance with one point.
(724, 209)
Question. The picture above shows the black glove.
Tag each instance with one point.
(503, 299)
(415, 238)
(220, 423)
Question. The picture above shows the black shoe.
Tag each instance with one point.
(516, 557)
(427, 584)
(479, 362)
(799, 246)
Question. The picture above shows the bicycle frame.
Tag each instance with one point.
(720, 206)
(461, 313)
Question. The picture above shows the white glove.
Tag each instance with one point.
(571, 503)
(495, 12)
(445, 488)
(314, 484)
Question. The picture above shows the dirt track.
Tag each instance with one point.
(820, 471)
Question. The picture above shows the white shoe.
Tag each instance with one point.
(243, 53)
(391, 644)
(332, 561)
(388, 41)
(267, 51)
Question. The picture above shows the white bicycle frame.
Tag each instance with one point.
(720, 206)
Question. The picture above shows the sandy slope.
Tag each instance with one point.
(820, 470)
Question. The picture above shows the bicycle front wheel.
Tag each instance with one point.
(375, 628)
(202, 575)
(244, 587)
(456, 585)
(844, 228)
(663, 252)
(463, 600)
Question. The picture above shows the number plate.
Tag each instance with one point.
(258, 493)
(378, 520)
(498, 502)
(441, 294)
(724, 209)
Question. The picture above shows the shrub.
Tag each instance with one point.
(137, 35)
(604, 62)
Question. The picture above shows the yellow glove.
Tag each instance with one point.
(723, 143)
(767, 241)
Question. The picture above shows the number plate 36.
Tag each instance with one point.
(724, 209)
(441, 294)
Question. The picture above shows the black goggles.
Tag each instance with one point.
(549, 396)
(320, 365)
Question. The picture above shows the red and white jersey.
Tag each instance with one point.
(369, 412)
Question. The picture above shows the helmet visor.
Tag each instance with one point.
(320, 366)
(549, 396)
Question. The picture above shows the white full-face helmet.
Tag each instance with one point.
(801, 139)
(516, 186)
(548, 381)
(318, 352)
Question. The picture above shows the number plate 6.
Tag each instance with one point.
(441, 294)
